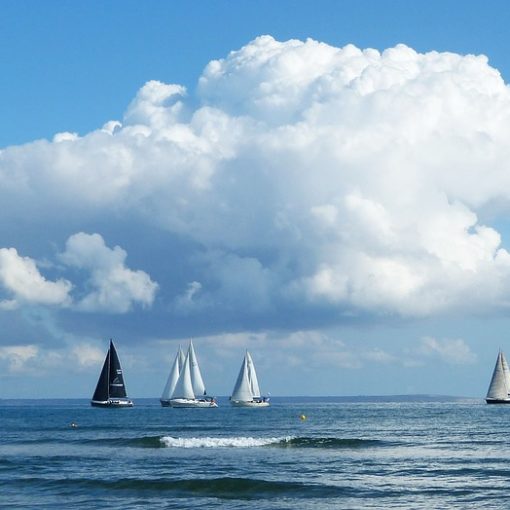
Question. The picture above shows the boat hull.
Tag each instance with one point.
(112, 403)
(252, 403)
(497, 401)
(165, 403)
(192, 403)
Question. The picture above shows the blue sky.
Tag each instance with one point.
(339, 211)
(71, 65)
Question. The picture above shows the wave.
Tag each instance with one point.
(220, 442)
(158, 441)
(250, 442)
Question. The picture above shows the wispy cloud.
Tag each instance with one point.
(451, 351)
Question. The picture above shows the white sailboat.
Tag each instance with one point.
(499, 388)
(171, 382)
(246, 390)
(189, 388)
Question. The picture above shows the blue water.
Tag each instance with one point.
(353, 454)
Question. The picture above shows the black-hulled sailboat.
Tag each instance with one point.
(110, 389)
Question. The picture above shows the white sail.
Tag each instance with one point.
(242, 389)
(182, 357)
(252, 376)
(500, 382)
(196, 376)
(184, 388)
(172, 378)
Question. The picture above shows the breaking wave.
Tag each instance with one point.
(251, 442)
(220, 442)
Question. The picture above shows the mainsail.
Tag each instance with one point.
(102, 389)
(499, 387)
(173, 376)
(252, 376)
(242, 389)
(182, 357)
(117, 386)
(196, 376)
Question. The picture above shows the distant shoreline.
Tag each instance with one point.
(276, 399)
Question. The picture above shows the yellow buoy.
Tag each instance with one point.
(302, 417)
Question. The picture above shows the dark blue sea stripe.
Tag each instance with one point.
(223, 488)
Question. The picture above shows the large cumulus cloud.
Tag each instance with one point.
(304, 176)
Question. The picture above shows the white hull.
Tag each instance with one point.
(187, 402)
(111, 402)
(252, 403)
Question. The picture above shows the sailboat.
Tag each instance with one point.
(499, 388)
(189, 389)
(110, 389)
(246, 390)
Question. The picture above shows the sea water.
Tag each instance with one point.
(297, 454)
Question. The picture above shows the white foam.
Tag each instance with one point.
(220, 442)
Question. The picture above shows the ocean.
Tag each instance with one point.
(300, 453)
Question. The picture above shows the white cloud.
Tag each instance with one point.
(186, 301)
(40, 360)
(115, 287)
(377, 355)
(65, 137)
(452, 351)
(153, 106)
(110, 285)
(306, 175)
(87, 355)
(21, 278)
(17, 356)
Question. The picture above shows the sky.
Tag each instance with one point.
(325, 184)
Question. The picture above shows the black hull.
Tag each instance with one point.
(165, 403)
(496, 401)
(112, 404)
